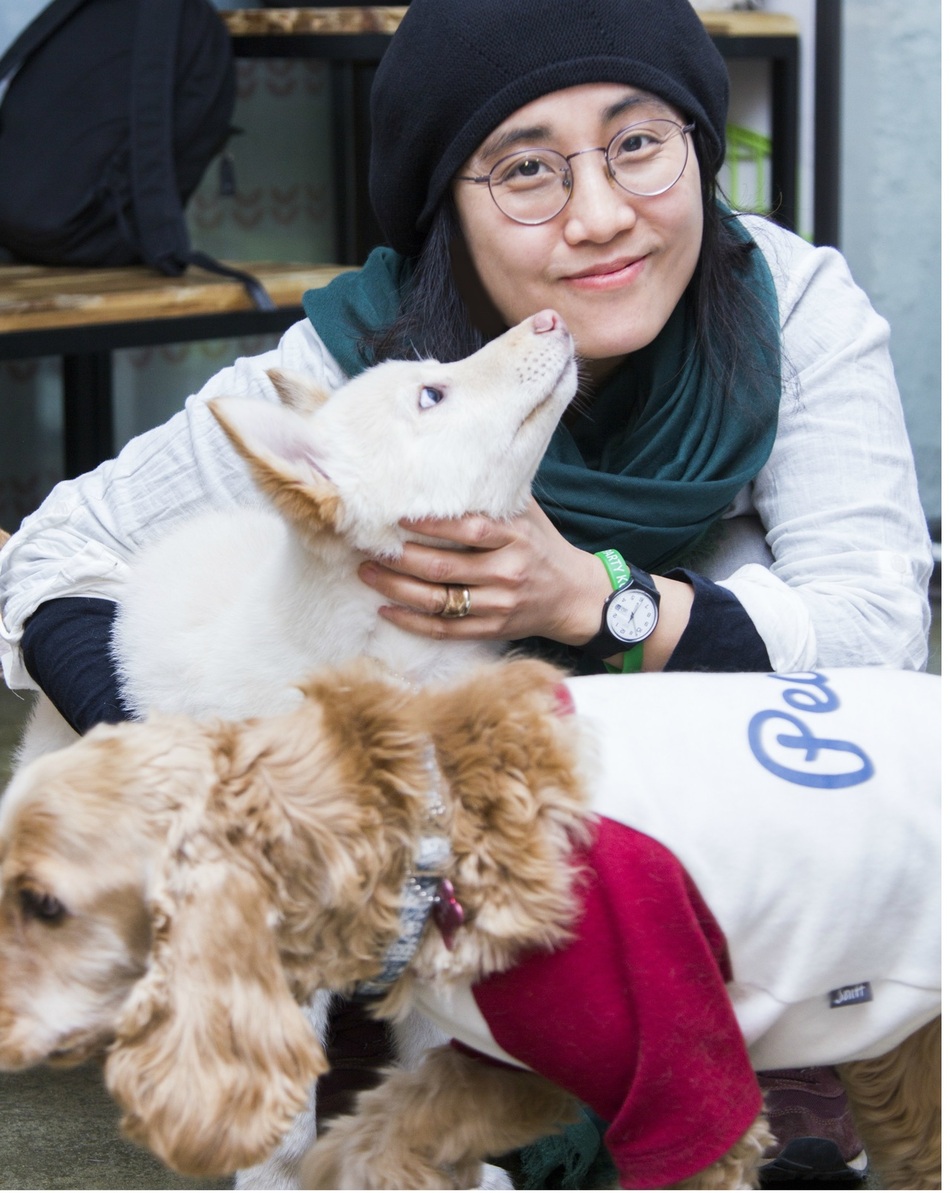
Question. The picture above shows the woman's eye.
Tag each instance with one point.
(429, 396)
(643, 141)
(525, 171)
(40, 905)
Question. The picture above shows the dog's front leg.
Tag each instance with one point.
(431, 1127)
(738, 1168)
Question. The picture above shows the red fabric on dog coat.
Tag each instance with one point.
(634, 1017)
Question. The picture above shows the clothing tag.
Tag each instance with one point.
(846, 995)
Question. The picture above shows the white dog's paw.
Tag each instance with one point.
(494, 1177)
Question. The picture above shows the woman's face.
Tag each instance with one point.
(612, 264)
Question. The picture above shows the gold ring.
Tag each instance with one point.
(458, 601)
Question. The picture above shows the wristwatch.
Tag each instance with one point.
(631, 612)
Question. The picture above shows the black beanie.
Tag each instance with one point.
(455, 69)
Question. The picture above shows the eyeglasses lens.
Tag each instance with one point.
(645, 159)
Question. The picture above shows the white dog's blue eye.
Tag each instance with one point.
(429, 396)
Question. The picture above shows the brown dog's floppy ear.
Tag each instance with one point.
(296, 391)
(285, 458)
(213, 1058)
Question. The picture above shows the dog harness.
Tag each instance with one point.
(762, 892)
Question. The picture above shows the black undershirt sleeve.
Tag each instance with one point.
(66, 650)
(720, 635)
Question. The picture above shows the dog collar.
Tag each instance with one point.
(426, 892)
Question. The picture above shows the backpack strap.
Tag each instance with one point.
(39, 29)
(159, 217)
(255, 288)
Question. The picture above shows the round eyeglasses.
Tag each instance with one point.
(532, 186)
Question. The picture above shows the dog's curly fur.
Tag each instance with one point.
(169, 889)
(172, 890)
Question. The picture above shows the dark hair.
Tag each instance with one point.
(433, 321)
(734, 327)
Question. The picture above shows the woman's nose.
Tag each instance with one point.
(598, 207)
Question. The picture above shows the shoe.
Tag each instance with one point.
(817, 1144)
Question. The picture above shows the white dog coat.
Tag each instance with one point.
(765, 877)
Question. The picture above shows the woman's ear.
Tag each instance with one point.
(213, 1057)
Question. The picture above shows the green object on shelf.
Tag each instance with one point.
(745, 145)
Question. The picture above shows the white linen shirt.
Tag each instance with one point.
(827, 549)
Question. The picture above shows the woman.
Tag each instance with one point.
(733, 488)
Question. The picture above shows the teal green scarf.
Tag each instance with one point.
(658, 453)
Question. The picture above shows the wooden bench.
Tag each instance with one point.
(83, 315)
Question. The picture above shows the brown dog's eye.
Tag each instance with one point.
(40, 905)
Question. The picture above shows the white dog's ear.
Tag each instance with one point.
(285, 459)
(298, 392)
(213, 1058)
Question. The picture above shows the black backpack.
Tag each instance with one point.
(112, 112)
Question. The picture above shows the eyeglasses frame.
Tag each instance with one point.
(568, 181)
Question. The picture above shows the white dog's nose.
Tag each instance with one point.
(546, 321)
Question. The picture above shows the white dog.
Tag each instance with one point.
(231, 610)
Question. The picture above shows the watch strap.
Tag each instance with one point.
(620, 573)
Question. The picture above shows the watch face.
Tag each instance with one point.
(631, 615)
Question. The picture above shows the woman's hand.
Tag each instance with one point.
(524, 579)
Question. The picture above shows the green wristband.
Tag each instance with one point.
(619, 574)
(616, 567)
(632, 661)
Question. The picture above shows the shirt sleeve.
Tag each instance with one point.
(81, 539)
(838, 497)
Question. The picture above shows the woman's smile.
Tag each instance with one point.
(608, 275)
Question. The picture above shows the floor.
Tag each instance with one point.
(58, 1129)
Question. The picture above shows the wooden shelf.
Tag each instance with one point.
(33, 297)
(261, 22)
(749, 24)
